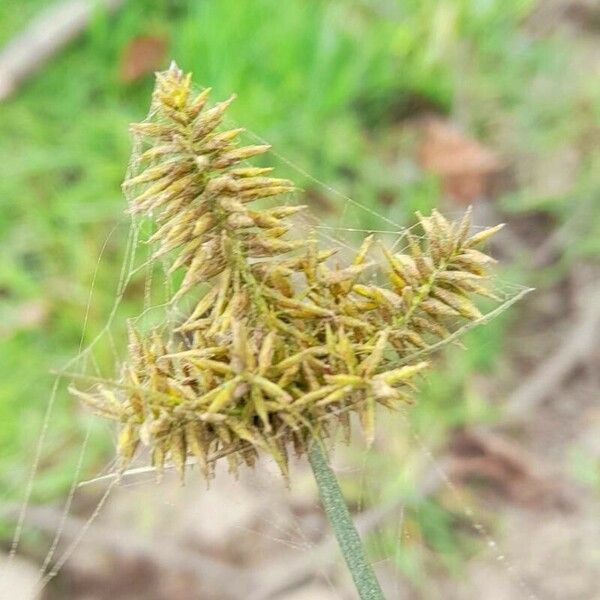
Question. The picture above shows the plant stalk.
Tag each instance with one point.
(341, 522)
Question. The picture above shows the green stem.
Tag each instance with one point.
(341, 522)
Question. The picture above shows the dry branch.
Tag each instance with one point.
(125, 543)
(547, 378)
(50, 31)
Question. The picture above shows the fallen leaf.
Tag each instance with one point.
(466, 168)
(508, 468)
(141, 56)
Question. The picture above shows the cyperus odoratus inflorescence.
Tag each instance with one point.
(282, 343)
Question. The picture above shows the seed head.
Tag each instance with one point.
(283, 344)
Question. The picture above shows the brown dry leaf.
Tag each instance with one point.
(585, 14)
(468, 170)
(143, 55)
(508, 468)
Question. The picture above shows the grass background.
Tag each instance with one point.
(327, 83)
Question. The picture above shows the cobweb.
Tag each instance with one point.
(344, 234)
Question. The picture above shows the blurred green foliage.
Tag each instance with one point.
(326, 83)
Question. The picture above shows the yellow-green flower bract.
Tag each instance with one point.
(284, 343)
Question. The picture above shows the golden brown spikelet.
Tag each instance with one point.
(282, 343)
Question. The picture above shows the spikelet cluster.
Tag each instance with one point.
(286, 341)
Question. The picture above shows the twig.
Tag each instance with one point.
(53, 29)
(582, 339)
(168, 555)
